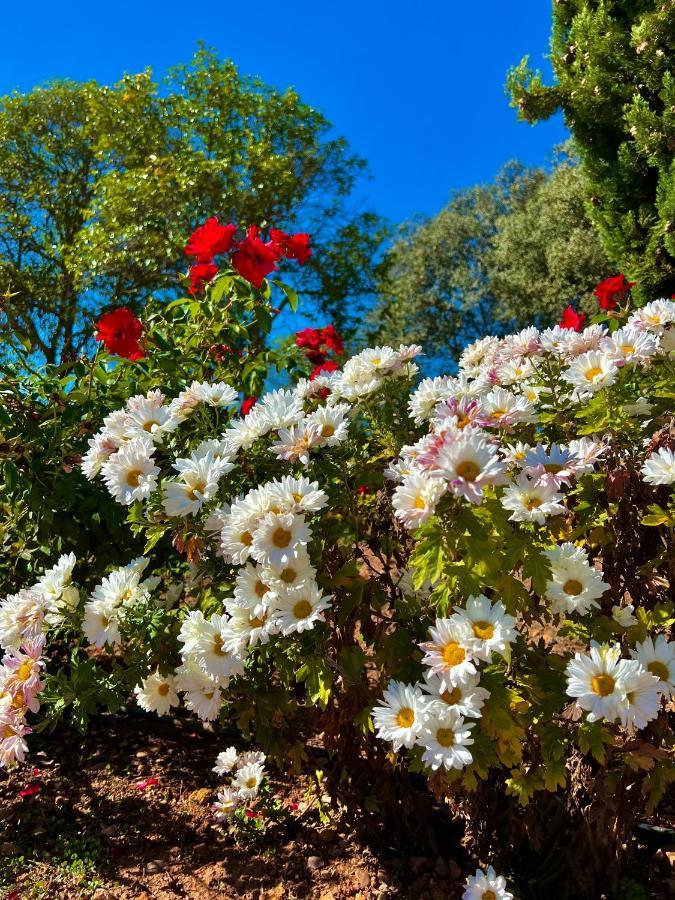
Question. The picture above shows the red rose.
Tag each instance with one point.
(200, 274)
(572, 319)
(253, 259)
(332, 339)
(293, 246)
(311, 338)
(210, 239)
(121, 332)
(247, 405)
(612, 291)
(328, 366)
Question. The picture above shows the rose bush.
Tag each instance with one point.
(467, 579)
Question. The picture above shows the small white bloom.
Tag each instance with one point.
(658, 658)
(470, 464)
(659, 468)
(489, 627)
(277, 537)
(131, 473)
(591, 372)
(157, 694)
(531, 501)
(227, 803)
(448, 654)
(623, 616)
(400, 717)
(486, 886)
(247, 781)
(301, 608)
(466, 696)
(445, 738)
(597, 681)
(226, 761)
(199, 477)
(574, 585)
(415, 500)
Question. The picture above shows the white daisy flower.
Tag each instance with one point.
(226, 761)
(227, 803)
(131, 473)
(591, 372)
(277, 536)
(488, 625)
(247, 781)
(157, 694)
(250, 588)
(251, 625)
(401, 716)
(300, 609)
(587, 452)
(643, 697)
(211, 650)
(486, 886)
(448, 654)
(21, 617)
(574, 586)
(219, 394)
(630, 345)
(415, 500)
(502, 409)
(251, 758)
(279, 409)
(659, 468)
(202, 693)
(428, 393)
(332, 424)
(597, 681)
(299, 495)
(658, 658)
(654, 316)
(198, 484)
(556, 464)
(194, 628)
(466, 697)
(100, 624)
(101, 448)
(531, 501)
(623, 615)
(554, 340)
(242, 433)
(470, 464)
(147, 418)
(445, 738)
(293, 573)
(477, 355)
(294, 444)
(580, 342)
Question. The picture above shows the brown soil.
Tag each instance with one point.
(90, 831)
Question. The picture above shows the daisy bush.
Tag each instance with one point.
(465, 578)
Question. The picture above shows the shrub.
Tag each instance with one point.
(471, 581)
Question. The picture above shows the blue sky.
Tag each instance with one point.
(416, 88)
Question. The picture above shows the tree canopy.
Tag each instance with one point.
(498, 256)
(100, 186)
(615, 83)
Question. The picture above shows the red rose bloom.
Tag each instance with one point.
(293, 246)
(572, 319)
(328, 366)
(121, 332)
(200, 275)
(253, 259)
(247, 405)
(612, 291)
(332, 339)
(310, 338)
(209, 240)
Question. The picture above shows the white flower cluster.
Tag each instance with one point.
(486, 886)
(23, 618)
(625, 690)
(111, 600)
(247, 772)
(432, 714)
(506, 383)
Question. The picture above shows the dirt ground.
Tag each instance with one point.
(78, 823)
(90, 831)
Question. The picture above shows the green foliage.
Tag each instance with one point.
(615, 83)
(498, 256)
(99, 187)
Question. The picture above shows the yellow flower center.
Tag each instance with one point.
(288, 574)
(593, 373)
(24, 671)
(133, 477)
(453, 654)
(163, 689)
(7, 732)
(260, 588)
(327, 430)
(484, 631)
(251, 783)
(627, 349)
(256, 622)
(659, 669)
(302, 609)
(281, 537)
(196, 490)
(297, 498)
(573, 587)
(445, 737)
(468, 470)
(246, 538)
(462, 420)
(533, 502)
(218, 645)
(489, 895)
(552, 468)
(405, 717)
(452, 697)
(602, 685)
(420, 503)
(150, 424)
